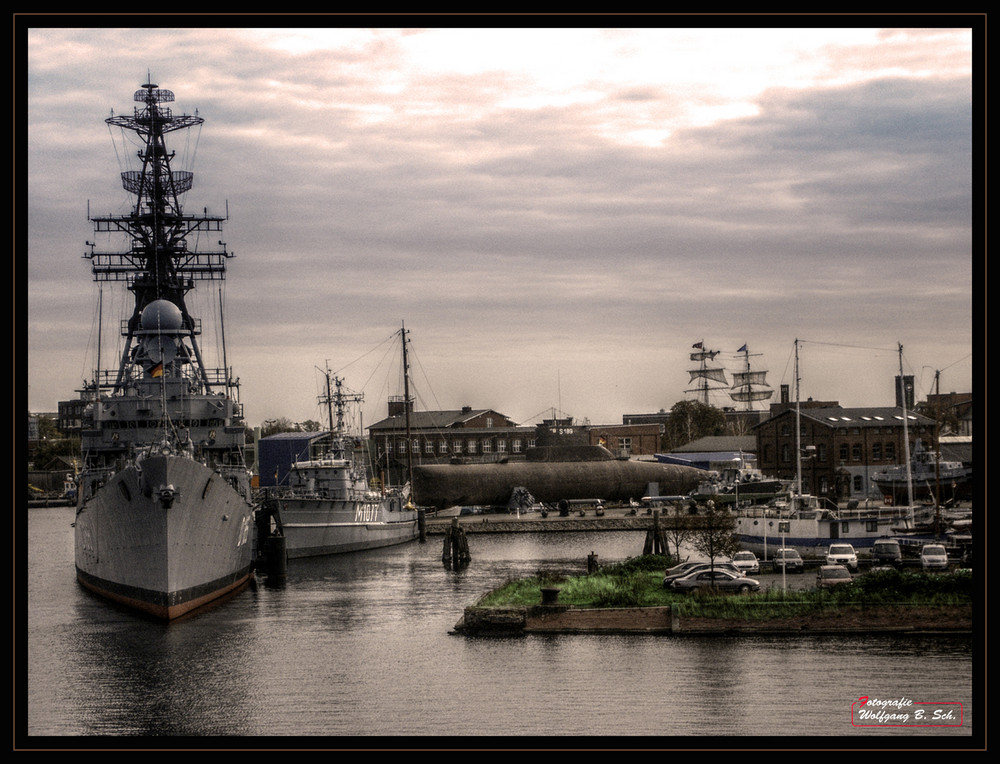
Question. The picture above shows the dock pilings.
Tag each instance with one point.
(455, 553)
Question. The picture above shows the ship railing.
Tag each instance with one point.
(872, 513)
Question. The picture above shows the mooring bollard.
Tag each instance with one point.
(592, 563)
(550, 595)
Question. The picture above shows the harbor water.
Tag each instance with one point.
(357, 649)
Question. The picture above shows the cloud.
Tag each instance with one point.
(556, 225)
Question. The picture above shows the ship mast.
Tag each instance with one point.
(406, 408)
(748, 385)
(158, 264)
(798, 427)
(906, 433)
(705, 373)
(337, 401)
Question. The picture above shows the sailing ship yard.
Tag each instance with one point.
(180, 503)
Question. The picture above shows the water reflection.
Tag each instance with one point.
(359, 645)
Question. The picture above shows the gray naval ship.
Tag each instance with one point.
(164, 520)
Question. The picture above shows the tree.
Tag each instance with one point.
(677, 532)
(690, 420)
(714, 534)
(274, 426)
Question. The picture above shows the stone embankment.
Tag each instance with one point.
(563, 619)
(534, 523)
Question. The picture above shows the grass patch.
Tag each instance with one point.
(638, 582)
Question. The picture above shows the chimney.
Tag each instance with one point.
(398, 405)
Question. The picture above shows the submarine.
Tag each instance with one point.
(551, 474)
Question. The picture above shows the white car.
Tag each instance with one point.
(747, 562)
(842, 554)
(934, 557)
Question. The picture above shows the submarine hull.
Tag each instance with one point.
(448, 485)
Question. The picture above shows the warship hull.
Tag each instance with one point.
(315, 527)
(164, 537)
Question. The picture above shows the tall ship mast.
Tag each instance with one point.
(707, 377)
(750, 386)
(164, 515)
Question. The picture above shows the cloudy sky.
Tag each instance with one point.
(558, 215)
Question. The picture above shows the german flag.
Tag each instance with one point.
(156, 371)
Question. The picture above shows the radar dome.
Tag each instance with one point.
(161, 315)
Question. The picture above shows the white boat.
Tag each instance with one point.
(803, 524)
(330, 503)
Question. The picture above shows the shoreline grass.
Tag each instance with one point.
(638, 582)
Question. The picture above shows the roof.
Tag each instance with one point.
(432, 420)
(295, 436)
(720, 443)
(836, 416)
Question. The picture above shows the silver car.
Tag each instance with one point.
(720, 580)
(673, 574)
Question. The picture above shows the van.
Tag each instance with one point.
(887, 552)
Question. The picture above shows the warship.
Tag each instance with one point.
(164, 516)
(329, 503)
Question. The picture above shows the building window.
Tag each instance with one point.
(858, 483)
(876, 452)
(415, 446)
(502, 446)
(843, 452)
(871, 526)
(487, 446)
(531, 442)
(821, 452)
(515, 445)
(890, 451)
(856, 452)
(472, 446)
(457, 447)
(489, 423)
(786, 453)
(625, 444)
(429, 447)
(443, 447)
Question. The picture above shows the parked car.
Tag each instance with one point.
(698, 567)
(829, 576)
(747, 562)
(886, 552)
(934, 557)
(681, 567)
(788, 560)
(842, 554)
(720, 580)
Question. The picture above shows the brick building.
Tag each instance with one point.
(477, 435)
(842, 447)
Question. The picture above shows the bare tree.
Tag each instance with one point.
(714, 534)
